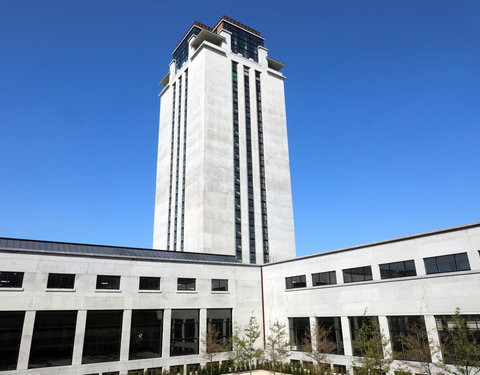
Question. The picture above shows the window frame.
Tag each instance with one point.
(437, 267)
(182, 281)
(220, 282)
(149, 279)
(107, 278)
(365, 275)
(329, 276)
(290, 282)
(61, 278)
(386, 274)
(6, 279)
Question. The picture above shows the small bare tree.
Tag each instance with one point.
(277, 347)
(419, 348)
(237, 345)
(371, 346)
(462, 346)
(212, 345)
(320, 347)
(251, 335)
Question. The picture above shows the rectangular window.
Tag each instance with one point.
(108, 282)
(398, 269)
(149, 283)
(146, 334)
(447, 263)
(53, 338)
(299, 333)
(222, 321)
(219, 285)
(333, 328)
(446, 324)
(405, 326)
(185, 284)
(11, 279)
(184, 332)
(296, 282)
(324, 278)
(103, 331)
(356, 322)
(11, 326)
(357, 274)
(60, 281)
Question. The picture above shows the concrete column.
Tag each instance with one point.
(79, 337)
(383, 323)
(313, 334)
(347, 337)
(228, 38)
(262, 56)
(191, 50)
(26, 342)
(125, 340)
(202, 328)
(433, 338)
(167, 321)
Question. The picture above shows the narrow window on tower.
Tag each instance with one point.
(184, 157)
(178, 163)
(248, 130)
(171, 169)
(236, 165)
(261, 158)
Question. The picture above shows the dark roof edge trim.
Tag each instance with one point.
(121, 257)
(399, 239)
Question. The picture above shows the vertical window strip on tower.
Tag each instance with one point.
(178, 162)
(171, 169)
(248, 128)
(184, 157)
(236, 164)
(261, 158)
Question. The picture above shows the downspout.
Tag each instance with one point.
(263, 308)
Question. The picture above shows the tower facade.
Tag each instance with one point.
(223, 174)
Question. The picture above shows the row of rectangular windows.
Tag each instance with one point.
(184, 160)
(399, 327)
(236, 163)
(67, 281)
(53, 336)
(171, 169)
(178, 162)
(433, 265)
(263, 192)
(251, 208)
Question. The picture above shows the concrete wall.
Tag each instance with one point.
(243, 298)
(426, 295)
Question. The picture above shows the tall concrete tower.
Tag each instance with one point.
(223, 173)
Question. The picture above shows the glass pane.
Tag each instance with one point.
(53, 338)
(61, 281)
(102, 336)
(146, 334)
(149, 283)
(184, 332)
(446, 263)
(11, 326)
(431, 265)
(108, 282)
(462, 262)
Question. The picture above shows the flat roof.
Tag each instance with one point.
(87, 250)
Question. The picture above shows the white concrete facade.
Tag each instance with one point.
(209, 204)
(425, 295)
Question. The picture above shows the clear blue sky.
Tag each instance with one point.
(383, 109)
